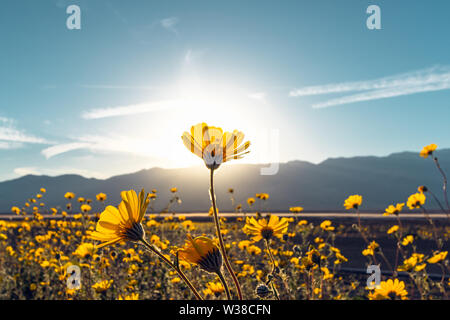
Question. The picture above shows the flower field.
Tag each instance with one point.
(128, 252)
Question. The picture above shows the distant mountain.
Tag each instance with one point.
(381, 181)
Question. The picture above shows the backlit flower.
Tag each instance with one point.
(213, 145)
(69, 195)
(85, 208)
(416, 200)
(124, 222)
(395, 210)
(203, 252)
(101, 197)
(353, 202)
(428, 150)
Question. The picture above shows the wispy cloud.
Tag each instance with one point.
(108, 144)
(426, 80)
(119, 87)
(259, 96)
(129, 109)
(11, 137)
(169, 24)
(63, 148)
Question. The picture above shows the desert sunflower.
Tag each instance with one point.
(216, 147)
(390, 289)
(416, 200)
(395, 210)
(213, 145)
(428, 150)
(124, 222)
(203, 252)
(263, 229)
(353, 202)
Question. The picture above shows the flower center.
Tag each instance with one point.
(267, 233)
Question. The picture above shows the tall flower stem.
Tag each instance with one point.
(275, 292)
(224, 283)
(444, 188)
(219, 235)
(363, 235)
(170, 264)
(438, 202)
(435, 232)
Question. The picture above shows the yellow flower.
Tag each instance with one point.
(395, 210)
(438, 257)
(244, 244)
(250, 201)
(175, 280)
(102, 286)
(370, 249)
(15, 210)
(393, 229)
(43, 190)
(428, 150)
(390, 290)
(407, 240)
(133, 296)
(203, 252)
(123, 223)
(326, 273)
(411, 263)
(85, 250)
(214, 288)
(101, 197)
(326, 225)
(263, 229)
(262, 196)
(353, 202)
(253, 250)
(69, 195)
(85, 208)
(416, 200)
(173, 190)
(295, 209)
(81, 199)
(422, 189)
(214, 146)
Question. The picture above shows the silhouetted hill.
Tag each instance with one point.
(381, 181)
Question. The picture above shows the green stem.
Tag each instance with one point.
(219, 235)
(170, 264)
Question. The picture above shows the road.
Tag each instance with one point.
(316, 215)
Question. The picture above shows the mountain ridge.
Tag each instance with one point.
(324, 186)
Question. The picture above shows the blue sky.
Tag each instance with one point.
(115, 96)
